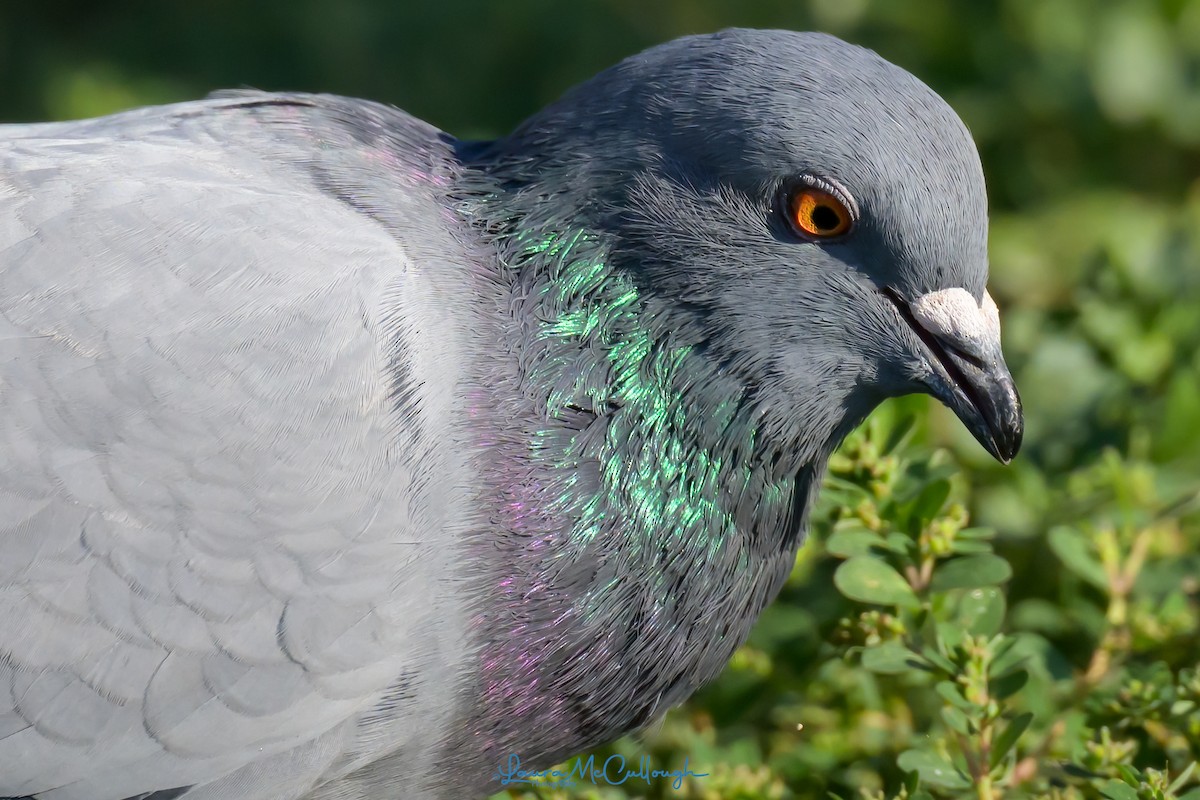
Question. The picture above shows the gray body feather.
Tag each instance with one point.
(228, 524)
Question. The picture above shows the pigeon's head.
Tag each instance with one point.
(819, 212)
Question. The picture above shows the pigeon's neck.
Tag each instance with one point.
(647, 442)
(647, 509)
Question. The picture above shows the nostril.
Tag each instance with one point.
(966, 348)
(966, 355)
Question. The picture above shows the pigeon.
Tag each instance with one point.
(341, 459)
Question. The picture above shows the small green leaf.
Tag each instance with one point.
(929, 503)
(900, 544)
(1006, 655)
(957, 721)
(934, 770)
(969, 547)
(850, 492)
(982, 534)
(1115, 790)
(1129, 774)
(912, 782)
(927, 471)
(939, 660)
(899, 434)
(1077, 771)
(871, 580)
(1007, 685)
(890, 658)
(981, 611)
(1181, 707)
(970, 572)
(849, 542)
(1182, 778)
(1071, 547)
(950, 636)
(1009, 737)
(949, 691)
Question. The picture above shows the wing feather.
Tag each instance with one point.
(219, 541)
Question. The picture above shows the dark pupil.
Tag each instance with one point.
(825, 218)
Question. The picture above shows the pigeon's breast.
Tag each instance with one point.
(620, 587)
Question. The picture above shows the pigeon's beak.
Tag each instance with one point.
(968, 372)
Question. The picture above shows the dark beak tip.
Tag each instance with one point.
(990, 407)
(1008, 435)
(1006, 455)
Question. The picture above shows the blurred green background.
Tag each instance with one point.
(1087, 116)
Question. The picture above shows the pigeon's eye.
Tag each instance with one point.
(818, 214)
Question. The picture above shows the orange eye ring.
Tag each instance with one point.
(818, 214)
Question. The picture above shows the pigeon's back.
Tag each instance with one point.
(233, 335)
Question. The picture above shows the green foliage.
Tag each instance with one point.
(929, 674)
(954, 628)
